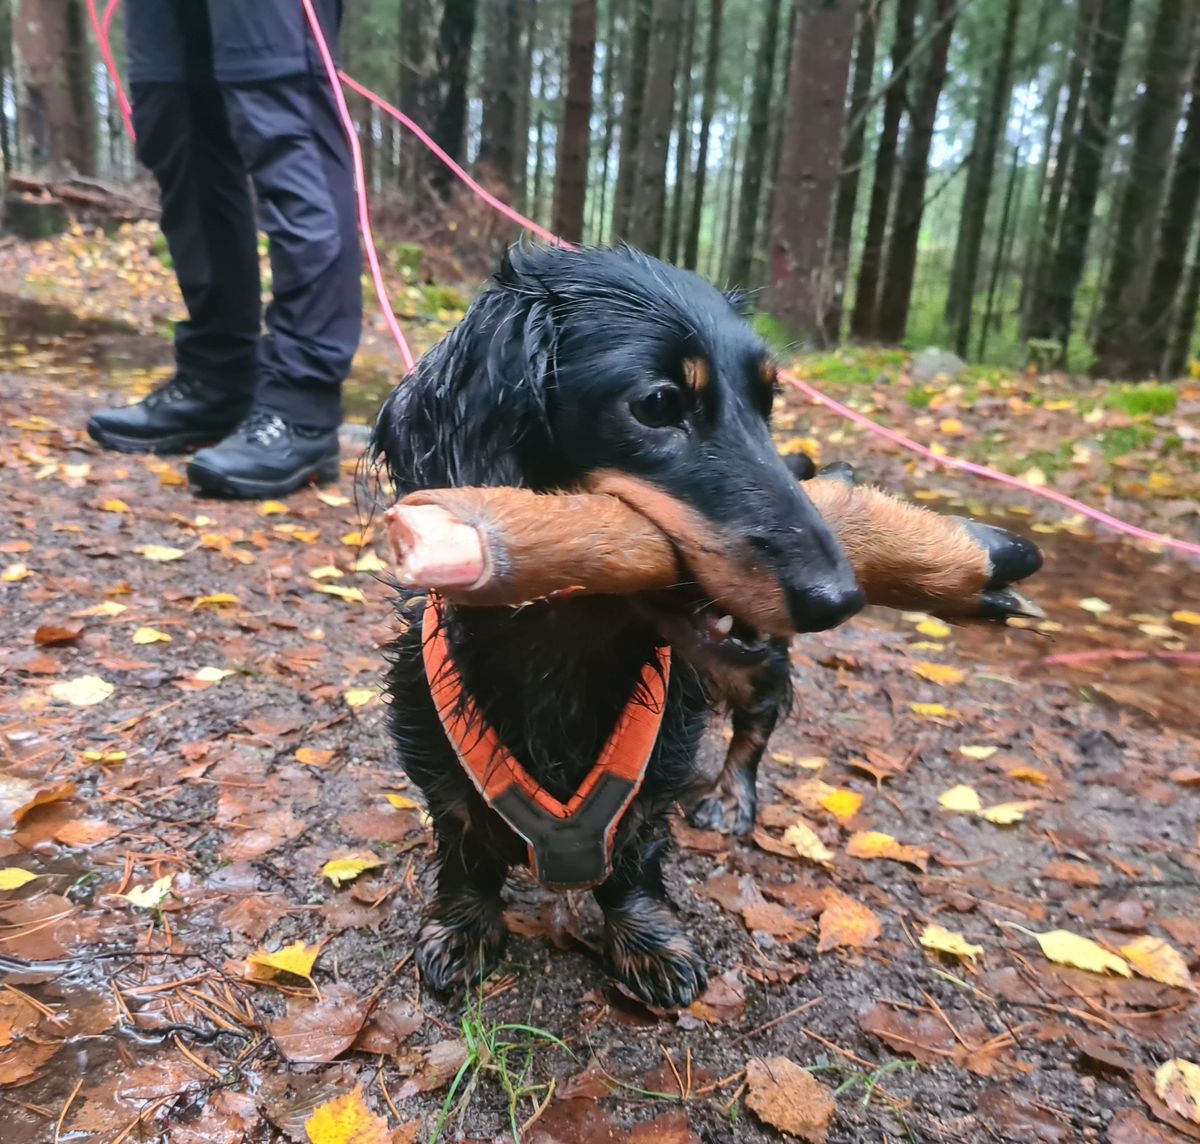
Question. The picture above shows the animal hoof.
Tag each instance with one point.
(998, 604)
(452, 957)
(724, 813)
(1011, 557)
(801, 466)
(838, 471)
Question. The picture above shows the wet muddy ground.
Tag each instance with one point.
(238, 748)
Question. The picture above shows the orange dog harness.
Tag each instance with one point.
(570, 844)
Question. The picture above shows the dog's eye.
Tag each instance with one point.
(660, 407)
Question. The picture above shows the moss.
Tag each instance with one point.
(1143, 400)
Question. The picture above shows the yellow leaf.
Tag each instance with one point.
(401, 802)
(1154, 958)
(15, 572)
(1186, 617)
(931, 710)
(934, 629)
(1095, 605)
(327, 572)
(369, 563)
(940, 673)
(314, 756)
(150, 635)
(803, 839)
(216, 600)
(947, 941)
(842, 804)
(360, 696)
(962, 798)
(354, 539)
(1178, 1085)
(13, 877)
(171, 477)
(296, 958)
(152, 896)
(159, 552)
(272, 508)
(85, 691)
(109, 608)
(211, 674)
(334, 500)
(115, 505)
(1059, 404)
(1006, 813)
(874, 844)
(1035, 477)
(979, 754)
(342, 870)
(346, 1120)
(928, 645)
(1029, 774)
(951, 426)
(109, 758)
(1066, 948)
(1158, 631)
(354, 595)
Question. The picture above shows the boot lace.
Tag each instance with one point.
(263, 428)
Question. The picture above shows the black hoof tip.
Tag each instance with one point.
(999, 604)
(801, 466)
(838, 471)
(1013, 558)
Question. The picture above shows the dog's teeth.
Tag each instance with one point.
(724, 625)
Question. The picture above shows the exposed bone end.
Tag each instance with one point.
(434, 548)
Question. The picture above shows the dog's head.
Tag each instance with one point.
(579, 361)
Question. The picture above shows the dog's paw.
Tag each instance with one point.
(653, 958)
(454, 955)
(730, 811)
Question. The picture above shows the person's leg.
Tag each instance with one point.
(183, 137)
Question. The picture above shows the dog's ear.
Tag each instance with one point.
(475, 407)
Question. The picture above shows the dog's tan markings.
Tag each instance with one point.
(769, 373)
(697, 374)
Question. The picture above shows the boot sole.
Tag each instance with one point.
(321, 472)
(174, 443)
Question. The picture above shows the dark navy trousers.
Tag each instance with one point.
(233, 110)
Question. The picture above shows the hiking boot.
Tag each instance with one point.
(180, 413)
(266, 457)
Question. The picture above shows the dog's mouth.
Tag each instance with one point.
(709, 628)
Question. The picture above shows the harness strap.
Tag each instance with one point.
(570, 844)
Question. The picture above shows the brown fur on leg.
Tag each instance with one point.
(651, 955)
(456, 951)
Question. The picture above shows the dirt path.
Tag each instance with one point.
(190, 695)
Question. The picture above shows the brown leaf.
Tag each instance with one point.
(435, 1067)
(1130, 1126)
(314, 1032)
(670, 1128)
(785, 1096)
(22, 1061)
(54, 633)
(19, 796)
(392, 1023)
(845, 922)
(723, 1001)
(1015, 1115)
(575, 1122)
(1073, 873)
(85, 832)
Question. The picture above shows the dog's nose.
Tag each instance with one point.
(824, 604)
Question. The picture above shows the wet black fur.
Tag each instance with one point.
(533, 389)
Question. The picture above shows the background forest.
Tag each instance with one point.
(1014, 179)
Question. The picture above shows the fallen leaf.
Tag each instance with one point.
(1186, 617)
(369, 562)
(845, 922)
(216, 600)
(978, 753)
(211, 674)
(149, 636)
(402, 802)
(1006, 813)
(108, 758)
(842, 804)
(353, 595)
(346, 1120)
(272, 508)
(152, 896)
(360, 696)
(1177, 1083)
(108, 609)
(947, 941)
(13, 877)
(160, 553)
(334, 500)
(788, 1098)
(54, 634)
(940, 673)
(314, 756)
(934, 629)
(314, 1031)
(873, 844)
(1029, 775)
(19, 796)
(346, 869)
(327, 572)
(1154, 958)
(296, 958)
(85, 691)
(961, 798)
(931, 710)
(1066, 948)
(804, 841)
(115, 504)
(1095, 605)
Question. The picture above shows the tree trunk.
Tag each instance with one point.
(866, 292)
(648, 205)
(974, 209)
(741, 261)
(778, 99)
(55, 109)
(723, 243)
(708, 103)
(1118, 327)
(412, 82)
(638, 44)
(1180, 350)
(501, 76)
(852, 159)
(455, 33)
(571, 170)
(1174, 238)
(608, 103)
(683, 133)
(914, 169)
(520, 179)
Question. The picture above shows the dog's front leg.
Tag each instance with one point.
(463, 936)
(645, 945)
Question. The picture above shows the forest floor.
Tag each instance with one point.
(190, 732)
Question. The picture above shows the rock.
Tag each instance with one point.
(932, 363)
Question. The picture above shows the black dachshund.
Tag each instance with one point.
(570, 363)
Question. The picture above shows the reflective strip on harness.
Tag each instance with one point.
(570, 844)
